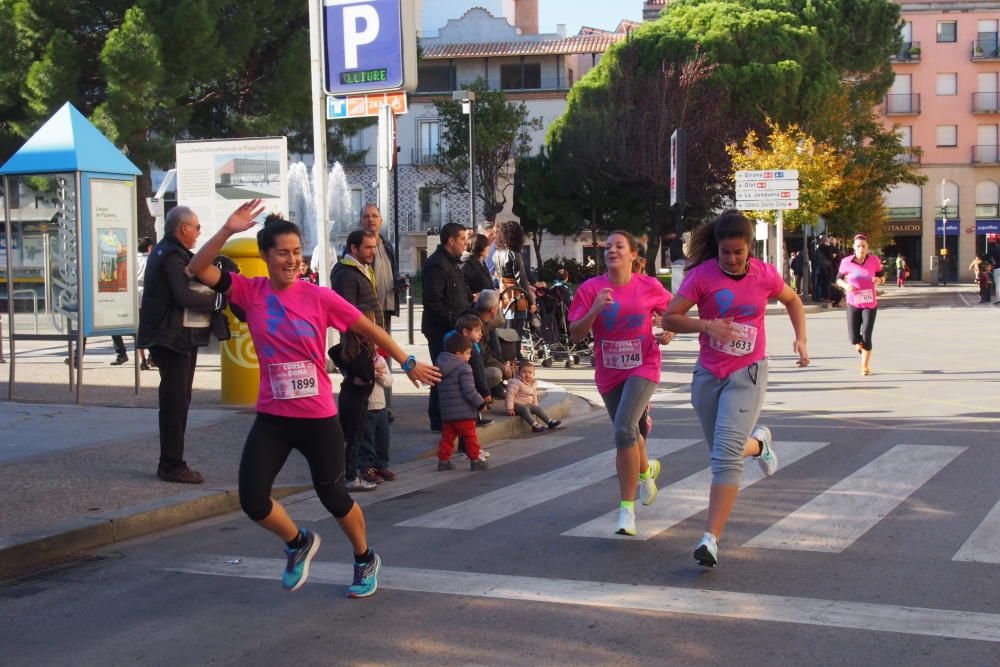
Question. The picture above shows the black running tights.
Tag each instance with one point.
(860, 323)
(271, 440)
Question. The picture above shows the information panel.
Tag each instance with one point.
(111, 229)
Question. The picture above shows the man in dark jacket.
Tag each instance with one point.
(446, 296)
(352, 277)
(174, 322)
(383, 266)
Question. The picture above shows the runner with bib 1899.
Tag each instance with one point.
(731, 290)
(618, 308)
(288, 319)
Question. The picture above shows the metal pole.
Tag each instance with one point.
(79, 291)
(409, 308)
(806, 266)
(10, 285)
(395, 220)
(779, 244)
(472, 170)
(319, 142)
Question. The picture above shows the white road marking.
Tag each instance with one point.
(948, 623)
(426, 475)
(833, 520)
(983, 546)
(488, 507)
(683, 499)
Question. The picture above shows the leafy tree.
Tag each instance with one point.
(500, 135)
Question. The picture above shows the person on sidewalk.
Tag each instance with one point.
(173, 324)
(355, 357)
(353, 277)
(377, 438)
(471, 327)
(288, 319)
(487, 309)
(522, 399)
(459, 404)
(445, 297)
(731, 290)
(141, 260)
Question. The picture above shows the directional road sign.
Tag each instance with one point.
(765, 195)
(783, 184)
(773, 205)
(369, 46)
(360, 106)
(767, 174)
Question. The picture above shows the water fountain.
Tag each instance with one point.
(302, 203)
(338, 201)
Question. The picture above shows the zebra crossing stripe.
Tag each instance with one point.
(983, 546)
(489, 507)
(425, 475)
(833, 520)
(921, 621)
(683, 499)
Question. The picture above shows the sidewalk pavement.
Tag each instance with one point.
(76, 477)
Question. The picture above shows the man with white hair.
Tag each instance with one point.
(487, 309)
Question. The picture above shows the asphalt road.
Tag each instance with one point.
(878, 541)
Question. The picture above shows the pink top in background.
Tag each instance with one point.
(861, 277)
(289, 334)
(718, 295)
(623, 332)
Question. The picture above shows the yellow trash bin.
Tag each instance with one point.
(240, 372)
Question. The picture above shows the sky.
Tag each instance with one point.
(604, 14)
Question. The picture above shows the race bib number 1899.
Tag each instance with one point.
(293, 379)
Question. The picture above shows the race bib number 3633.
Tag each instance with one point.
(622, 354)
(293, 379)
(743, 345)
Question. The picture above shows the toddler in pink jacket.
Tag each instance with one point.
(522, 399)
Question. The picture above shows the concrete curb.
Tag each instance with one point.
(28, 549)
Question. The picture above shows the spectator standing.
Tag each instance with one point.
(459, 404)
(983, 278)
(522, 399)
(489, 230)
(384, 266)
(377, 438)
(353, 277)
(355, 357)
(171, 327)
(795, 264)
(473, 265)
(445, 297)
(510, 271)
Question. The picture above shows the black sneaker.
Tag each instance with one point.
(180, 476)
(485, 421)
(479, 464)
(445, 465)
(553, 423)
(297, 568)
(120, 359)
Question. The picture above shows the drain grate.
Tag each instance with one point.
(42, 573)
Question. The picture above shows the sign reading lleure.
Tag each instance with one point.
(370, 46)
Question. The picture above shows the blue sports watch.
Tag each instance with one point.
(409, 364)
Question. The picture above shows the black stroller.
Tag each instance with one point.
(553, 308)
(527, 325)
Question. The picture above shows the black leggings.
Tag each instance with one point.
(860, 323)
(271, 440)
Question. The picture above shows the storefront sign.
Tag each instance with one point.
(904, 213)
(988, 226)
(913, 228)
(952, 227)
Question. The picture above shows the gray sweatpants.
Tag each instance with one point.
(525, 412)
(728, 410)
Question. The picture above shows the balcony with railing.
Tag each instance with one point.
(985, 102)
(985, 154)
(902, 104)
(422, 221)
(422, 157)
(909, 52)
(908, 156)
(527, 85)
(985, 48)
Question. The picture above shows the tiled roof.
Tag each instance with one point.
(656, 3)
(580, 44)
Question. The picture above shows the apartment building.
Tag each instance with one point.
(944, 101)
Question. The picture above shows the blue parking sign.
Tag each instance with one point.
(365, 45)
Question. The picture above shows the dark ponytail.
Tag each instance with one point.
(731, 224)
(275, 226)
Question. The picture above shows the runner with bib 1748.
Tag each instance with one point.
(288, 320)
(618, 308)
(858, 276)
(731, 290)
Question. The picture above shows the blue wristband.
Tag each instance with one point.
(409, 364)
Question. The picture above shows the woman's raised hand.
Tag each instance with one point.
(242, 218)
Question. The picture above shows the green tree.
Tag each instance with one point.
(501, 134)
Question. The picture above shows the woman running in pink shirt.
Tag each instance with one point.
(288, 319)
(731, 290)
(858, 276)
(618, 307)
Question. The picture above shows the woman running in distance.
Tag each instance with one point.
(288, 319)
(857, 276)
(618, 307)
(731, 290)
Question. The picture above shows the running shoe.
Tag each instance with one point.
(767, 459)
(553, 423)
(647, 487)
(707, 551)
(297, 569)
(360, 484)
(365, 578)
(626, 521)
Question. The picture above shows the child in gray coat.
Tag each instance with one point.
(460, 402)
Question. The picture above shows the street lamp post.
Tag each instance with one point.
(468, 99)
(943, 255)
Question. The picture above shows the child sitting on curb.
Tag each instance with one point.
(460, 402)
(522, 399)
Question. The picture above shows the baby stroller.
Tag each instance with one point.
(527, 325)
(553, 309)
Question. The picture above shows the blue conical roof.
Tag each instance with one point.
(68, 142)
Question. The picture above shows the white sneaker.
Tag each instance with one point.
(626, 522)
(767, 459)
(707, 551)
(647, 487)
(360, 484)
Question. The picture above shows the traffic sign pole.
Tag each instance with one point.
(319, 144)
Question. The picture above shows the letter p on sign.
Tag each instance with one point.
(354, 17)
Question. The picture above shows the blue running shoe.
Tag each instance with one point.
(297, 569)
(365, 578)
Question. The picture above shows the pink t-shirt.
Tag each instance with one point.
(745, 301)
(861, 277)
(289, 334)
(623, 333)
